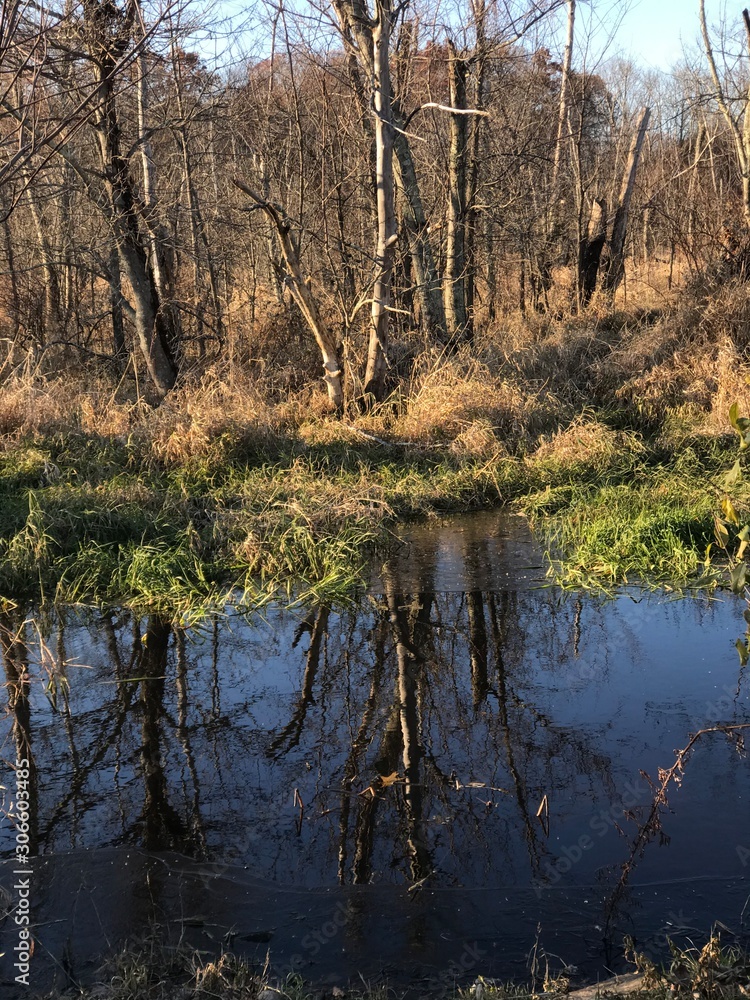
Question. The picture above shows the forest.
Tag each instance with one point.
(453, 239)
(388, 185)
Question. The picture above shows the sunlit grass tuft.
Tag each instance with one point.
(655, 527)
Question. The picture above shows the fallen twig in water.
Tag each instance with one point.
(652, 825)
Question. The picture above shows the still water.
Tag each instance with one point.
(427, 785)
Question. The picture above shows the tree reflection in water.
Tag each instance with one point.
(420, 730)
(403, 742)
(383, 694)
(18, 683)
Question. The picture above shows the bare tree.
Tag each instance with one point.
(739, 125)
(356, 25)
(616, 264)
(382, 27)
(300, 287)
(454, 287)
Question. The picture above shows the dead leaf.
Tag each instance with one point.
(381, 782)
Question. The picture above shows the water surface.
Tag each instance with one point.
(428, 781)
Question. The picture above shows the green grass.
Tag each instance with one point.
(652, 525)
(90, 520)
(654, 530)
(98, 519)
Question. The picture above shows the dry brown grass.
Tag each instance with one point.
(560, 355)
(193, 419)
(227, 977)
(528, 377)
(695, 356)
(585, 440)
(479, 440)
(218, 407)
(457, 393)
(43, 404)
(327, 432)
(647, 284)
(733, 385)
(693, 352)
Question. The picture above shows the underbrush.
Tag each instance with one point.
(610, 432)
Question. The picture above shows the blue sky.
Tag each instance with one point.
(652, 31)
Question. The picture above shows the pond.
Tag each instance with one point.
(454, 776)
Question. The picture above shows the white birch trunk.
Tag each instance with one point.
(454, 291)
(387, 230)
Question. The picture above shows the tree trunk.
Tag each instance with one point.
(741, 137)
(51, 317)
(616, 266)
(115, 305)
(477, 143)
(299, 284)
(199, 236)
(562, 118)
(157, 322)
(52, 322)
(357, 29)
(694, 178)
(590, 251)
(14, 306)
(427, 289)
(387, 230)
(69, 305)
(745, 163)
(158, 242)
(454, 292)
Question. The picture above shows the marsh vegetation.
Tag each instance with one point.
(254, 318)
(224, 491)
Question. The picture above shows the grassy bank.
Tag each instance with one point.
(653, 526)
(91, 517)
(709, 972)
(116, 517)
(610, 434)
